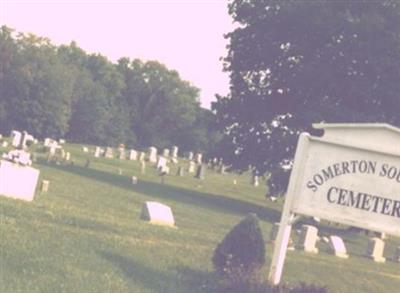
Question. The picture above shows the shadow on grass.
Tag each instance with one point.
(178, 280)
(160, 191)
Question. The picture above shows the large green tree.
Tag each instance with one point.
(293, 63)
(160, 103)
(36, 87)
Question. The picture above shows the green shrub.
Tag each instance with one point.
(241, 254)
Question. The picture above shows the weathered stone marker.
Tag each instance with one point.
(157, 213)
(152, 154)
(181, 171)
(165, 153)
(255, 181)
(142, 167)
(45, 186)
(109, 153)
(133, 154)
(375, 249)
(174, 152)
(161, 163)
(201, 172)
(97, 152)
(17, 181)
(192, 166)
(347, 176)
(15, 138)
(337, 246)
(397, 254)
(142, 156)
(134, 180)
(308, 238)
(199, 158)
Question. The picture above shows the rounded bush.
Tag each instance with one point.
(242, 252)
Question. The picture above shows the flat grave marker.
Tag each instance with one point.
(157, 213)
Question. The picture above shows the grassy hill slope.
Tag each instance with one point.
(85, 234)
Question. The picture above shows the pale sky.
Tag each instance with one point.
(185, 35)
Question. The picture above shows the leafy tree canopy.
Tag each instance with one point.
(294, 63)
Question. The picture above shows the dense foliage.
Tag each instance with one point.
(64, 92)
(294, 63)
(241, 253)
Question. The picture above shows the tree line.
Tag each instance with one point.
(64, 92)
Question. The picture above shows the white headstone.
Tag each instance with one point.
(97, 152)
(174, 151)
(133, 154)
(85, 149)
(121, 153)
(337, 246)
(109, 153)
(192, 167)
(48, 141)
(255, 180)
(162, 163)
(4, 144)
(199, 158)
(61, 141)
(375, 249)
(142, 156)
(53, 148)
(15, 138)
(164, 170)
(190, 156)
(157, 213)
(166, 152)
(134, 180)
(68, 156)
(308, 238)
(18, 181)
(152, 154)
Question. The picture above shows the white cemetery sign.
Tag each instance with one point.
(351, 175)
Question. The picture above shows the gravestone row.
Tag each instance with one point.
(308, 239)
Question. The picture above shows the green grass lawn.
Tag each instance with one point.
(85, 234)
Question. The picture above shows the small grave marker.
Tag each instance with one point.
(201, 171)
(375, 249)
(157, 213)
(337, 246)
(397, 254)
(308, 238)
(45, 186)
(152, 154)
